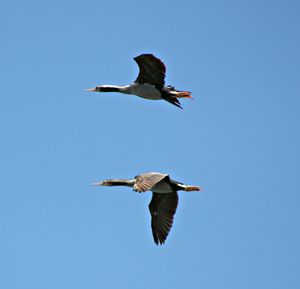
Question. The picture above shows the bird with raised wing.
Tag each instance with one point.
(164, 200)
(150, 83)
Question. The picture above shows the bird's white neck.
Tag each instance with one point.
(113, 88)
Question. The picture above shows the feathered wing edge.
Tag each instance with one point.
(162, 209)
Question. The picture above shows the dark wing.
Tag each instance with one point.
(145, 182)
(172, 100)
(152, 70)
(162, 208)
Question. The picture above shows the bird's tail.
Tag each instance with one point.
(192, 188)
(182, 94)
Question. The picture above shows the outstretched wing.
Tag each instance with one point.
(145, 182)
(162, 208)
(152, 70)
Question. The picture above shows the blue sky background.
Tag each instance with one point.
(238, 139)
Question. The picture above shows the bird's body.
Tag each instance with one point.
(164, 200)
(150, 83)
(144, 90)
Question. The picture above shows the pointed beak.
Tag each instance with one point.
(97, 184)
(91, 89)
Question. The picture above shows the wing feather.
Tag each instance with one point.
(145, 182)
(152, 70)
(162, 209)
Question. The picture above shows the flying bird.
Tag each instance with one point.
(150, 82)
(164, 200)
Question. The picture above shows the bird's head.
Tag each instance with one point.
(103, 183)
(97, 88)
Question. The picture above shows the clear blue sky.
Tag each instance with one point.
(238, 139)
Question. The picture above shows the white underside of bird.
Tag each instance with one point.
(144, 90)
